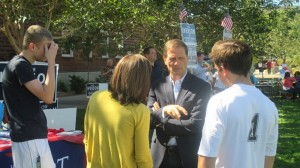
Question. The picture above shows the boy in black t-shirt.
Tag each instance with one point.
(22, 93)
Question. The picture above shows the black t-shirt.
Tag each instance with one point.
(27, 119)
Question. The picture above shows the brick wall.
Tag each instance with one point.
(6, 51)
(78, 63)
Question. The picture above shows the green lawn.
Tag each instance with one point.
(288, 151)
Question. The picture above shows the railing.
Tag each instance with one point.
(271, 88)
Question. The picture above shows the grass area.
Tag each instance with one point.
(288, 150)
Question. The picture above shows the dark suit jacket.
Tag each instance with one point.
(157, 72)
(193, 96)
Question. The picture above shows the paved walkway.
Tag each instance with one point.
(81, 101)
(78, 101)
(259, 75)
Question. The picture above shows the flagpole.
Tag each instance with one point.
(227, 25)
(183, 14)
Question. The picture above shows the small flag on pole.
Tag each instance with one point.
(183, 13)
(227, 22)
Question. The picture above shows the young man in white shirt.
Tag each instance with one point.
(241, 124)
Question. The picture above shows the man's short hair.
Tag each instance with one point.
(35, 34)
(147, 50)
(199, 53)
(234, 55)
(175, 43)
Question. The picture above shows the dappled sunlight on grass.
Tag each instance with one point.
(288, 150)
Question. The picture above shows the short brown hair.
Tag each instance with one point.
(199, 53)
(175, 43)
(234, 55)
(35, 34)
(147, 50)
(130, 82)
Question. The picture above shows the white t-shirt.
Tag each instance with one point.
(219, 84)
(209, 76)
(241, 128)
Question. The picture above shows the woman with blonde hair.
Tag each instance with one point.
(116, 124)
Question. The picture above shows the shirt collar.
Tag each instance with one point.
(180, 80)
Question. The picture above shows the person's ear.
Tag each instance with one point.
(31, 46)
(219, 68)
(165, 58)
(225, 71)
(222, 70)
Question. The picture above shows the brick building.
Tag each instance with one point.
(75, 63)
(6, 51)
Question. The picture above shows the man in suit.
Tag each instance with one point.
(157, 68)
(177, 103)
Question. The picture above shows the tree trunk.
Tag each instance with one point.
(14, 33)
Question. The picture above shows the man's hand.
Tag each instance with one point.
(155, 106)
(174, 111)
(50, 52)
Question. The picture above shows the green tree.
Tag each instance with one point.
(252, 21)
(85, 24)
(285, 37)
(16, 15)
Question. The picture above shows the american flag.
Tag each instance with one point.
(227, 22)
(183, 13)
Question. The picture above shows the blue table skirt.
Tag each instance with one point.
(65, 154)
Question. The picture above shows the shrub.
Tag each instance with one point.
(62, 86)
(77, 84)
(100, 80)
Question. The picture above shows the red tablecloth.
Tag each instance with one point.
(5, 143)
